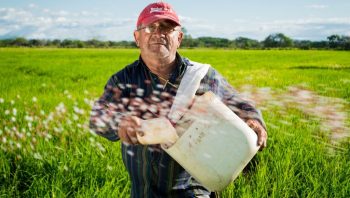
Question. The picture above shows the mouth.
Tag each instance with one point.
(158, 43)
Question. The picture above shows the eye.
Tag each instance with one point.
(165, 27)
(152, 28)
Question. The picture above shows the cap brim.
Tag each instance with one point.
(155, 18)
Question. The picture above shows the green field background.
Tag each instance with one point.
(47, 149)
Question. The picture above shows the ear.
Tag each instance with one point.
(179, 38)
(137, 38)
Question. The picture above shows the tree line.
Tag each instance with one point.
(278, 40)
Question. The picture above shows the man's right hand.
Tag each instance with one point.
(128, 128)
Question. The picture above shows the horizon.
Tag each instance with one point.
(115, 21)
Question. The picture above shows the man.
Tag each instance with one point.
(145, 89)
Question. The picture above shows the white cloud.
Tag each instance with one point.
(49, 24)
(308, 28)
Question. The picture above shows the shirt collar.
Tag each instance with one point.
(181, 64)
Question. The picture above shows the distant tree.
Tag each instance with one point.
(246, 43)
(319, 44)
(277, 40)
(36, 43)
(56, 43)
(334, 40)
(66, 43)
(188, 41)
(78, 44)
(339, 42)
(346, 42)
(303, 44)
(95, 43)
(213, 42)
(6, 42)
(20, 41)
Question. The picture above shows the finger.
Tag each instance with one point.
(136, 120)
(127, 139)
(262, 140)
(123, 136)
(131, 133)
(260, 131)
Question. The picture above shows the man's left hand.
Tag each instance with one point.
(260, 131)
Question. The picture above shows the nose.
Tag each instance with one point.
(159, 33)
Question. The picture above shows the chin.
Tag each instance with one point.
(160, 52)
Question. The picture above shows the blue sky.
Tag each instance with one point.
(116, 19)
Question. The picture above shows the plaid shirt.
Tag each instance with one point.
(135, 90)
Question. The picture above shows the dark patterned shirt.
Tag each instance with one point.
(135, 90)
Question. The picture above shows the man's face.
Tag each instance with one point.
(159, 39)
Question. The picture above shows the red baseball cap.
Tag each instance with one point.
(156, 11)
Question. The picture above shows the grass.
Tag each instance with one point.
(47, 149)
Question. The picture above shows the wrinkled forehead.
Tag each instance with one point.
(163, 22)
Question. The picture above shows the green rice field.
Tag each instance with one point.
(47, 149)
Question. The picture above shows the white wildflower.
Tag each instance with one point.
(92, 132)
(69, 122)
(12, 102)
(100, 147)
(7, 112)
(75, 117)
(56, 129)
(78, 111)
(13, 119)
(61, 108)
(48, 136)
(50, 117)
(38, 156)
(34, 99)
(87, 101)
(29, 118)
(2, 100)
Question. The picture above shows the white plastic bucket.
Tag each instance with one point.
(214, 144)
